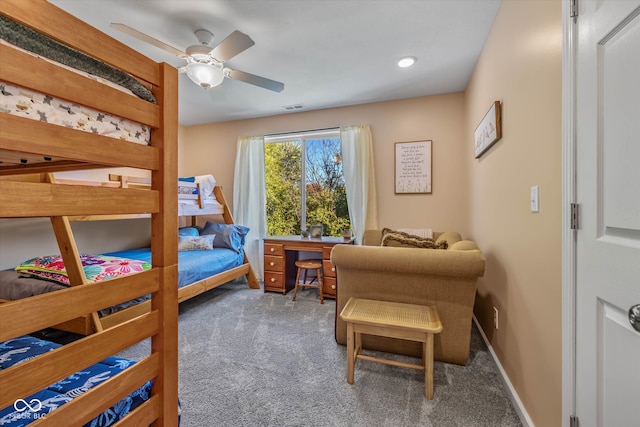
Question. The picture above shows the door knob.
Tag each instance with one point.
(634, 317)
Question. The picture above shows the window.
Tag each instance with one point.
(304, 183)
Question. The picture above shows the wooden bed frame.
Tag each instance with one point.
(90, 323)
(77, 150)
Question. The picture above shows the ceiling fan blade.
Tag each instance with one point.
(232, 45)
(255, 80)
(148, 39)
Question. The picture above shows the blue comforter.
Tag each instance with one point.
(193, 265)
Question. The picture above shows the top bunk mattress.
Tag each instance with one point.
(27, 103)
(19, 101)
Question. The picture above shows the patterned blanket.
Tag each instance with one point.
(31, 408)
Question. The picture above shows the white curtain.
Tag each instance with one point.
(249, 200)
(359, 177)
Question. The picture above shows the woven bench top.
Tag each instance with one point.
(384, 313)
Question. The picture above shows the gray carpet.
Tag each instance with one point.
(247, 358)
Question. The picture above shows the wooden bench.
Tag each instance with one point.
(395, 320)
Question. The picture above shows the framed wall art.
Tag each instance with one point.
(413, 167)
(489, 131)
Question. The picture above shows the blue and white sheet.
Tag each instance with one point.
(31, 408)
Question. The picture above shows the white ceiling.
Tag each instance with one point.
(328, 53)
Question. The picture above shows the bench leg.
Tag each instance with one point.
(427, 354)
(350, 352)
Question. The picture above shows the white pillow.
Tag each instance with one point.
(425, 233)
(196, 243)
(207, 183)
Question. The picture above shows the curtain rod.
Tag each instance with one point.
(335, 128)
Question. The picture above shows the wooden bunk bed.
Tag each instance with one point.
(31, 146)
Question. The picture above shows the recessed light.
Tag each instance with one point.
(405, 62)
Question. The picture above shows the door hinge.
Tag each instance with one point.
(573, 421)
(575, 216)
(574, 9)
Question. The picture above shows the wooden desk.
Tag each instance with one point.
(281, 253)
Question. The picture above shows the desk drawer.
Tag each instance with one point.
(273, 249)
(329, 287)
(273, 263)
(273, 280)
(328, 268)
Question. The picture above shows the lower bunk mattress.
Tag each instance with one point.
(193, 266)
(31, 408)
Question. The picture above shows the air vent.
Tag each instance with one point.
(293, 107)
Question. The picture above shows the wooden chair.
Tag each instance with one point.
(303, 266)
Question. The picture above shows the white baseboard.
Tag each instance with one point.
(513, 395)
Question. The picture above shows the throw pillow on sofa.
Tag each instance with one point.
(405, 240)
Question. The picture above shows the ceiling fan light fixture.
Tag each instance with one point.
(204, 75)
(406, 61)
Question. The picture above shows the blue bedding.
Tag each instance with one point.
(193, 265)
(25, 411)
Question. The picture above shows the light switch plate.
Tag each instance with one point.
(535, 202)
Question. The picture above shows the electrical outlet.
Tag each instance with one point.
(495, 317)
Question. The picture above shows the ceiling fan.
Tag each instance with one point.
(205, 64)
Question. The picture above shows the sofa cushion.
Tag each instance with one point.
(450, 236)
(406, 240)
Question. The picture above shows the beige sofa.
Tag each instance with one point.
(444, 278)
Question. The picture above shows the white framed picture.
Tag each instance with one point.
(413, 167)
(489, 131)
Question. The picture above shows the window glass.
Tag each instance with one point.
(305, 185)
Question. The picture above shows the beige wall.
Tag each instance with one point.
(521, 66)
(212, 149)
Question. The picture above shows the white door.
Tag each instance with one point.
(608, 191)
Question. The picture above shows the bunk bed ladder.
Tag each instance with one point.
(69, 252)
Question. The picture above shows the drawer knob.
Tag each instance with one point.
(273, 280)
(272, 249)
(333, 286)
(272, 263)
(333, 269)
